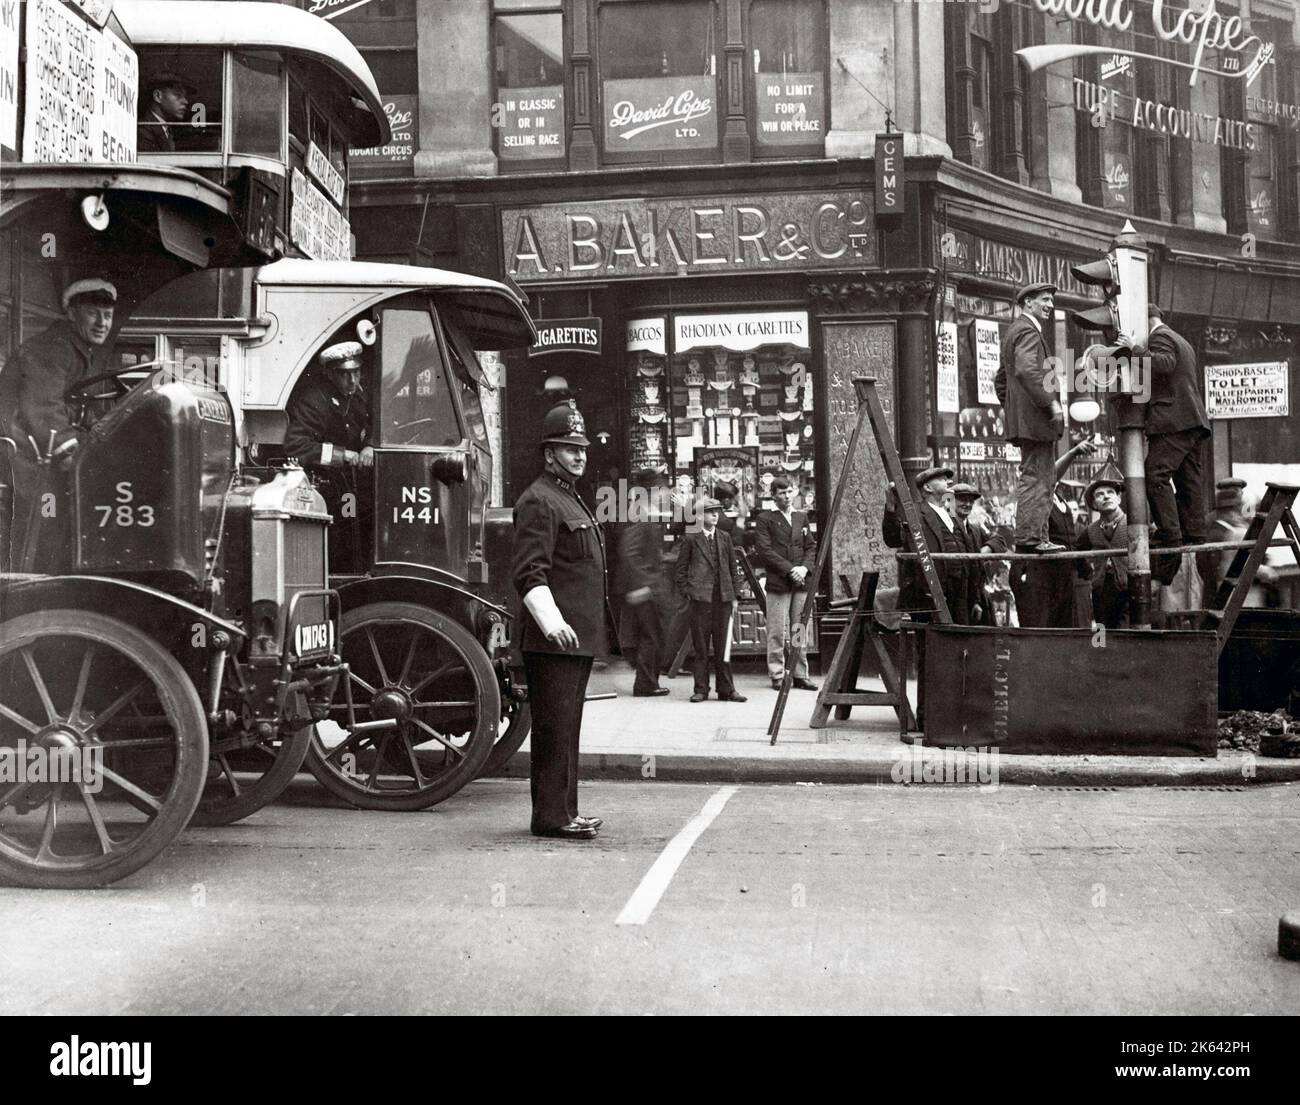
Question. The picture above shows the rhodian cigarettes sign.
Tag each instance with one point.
(1248, 390)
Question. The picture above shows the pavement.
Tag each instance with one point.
(696, 898)
(672, 738)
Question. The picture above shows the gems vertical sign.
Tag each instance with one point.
(889, 175)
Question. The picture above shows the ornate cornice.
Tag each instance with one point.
(886, 294)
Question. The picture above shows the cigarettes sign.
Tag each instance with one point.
(1248, 390)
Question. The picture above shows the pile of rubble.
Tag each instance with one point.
(1273, 734)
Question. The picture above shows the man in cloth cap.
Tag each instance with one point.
(558, 570)
(976, 537)
(33, 409)
(1034, 418)
(706, 574)
(785, 547)
(165, 107)
(1110, 531)
(329, 424)
(1227, 522)
(941, 536)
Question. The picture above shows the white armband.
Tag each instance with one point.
(327, 454)
(541, 605)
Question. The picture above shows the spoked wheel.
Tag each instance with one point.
(103, 749)
(429, 676)
(242, 782)
(516, 722)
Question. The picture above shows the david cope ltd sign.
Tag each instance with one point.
(654, 237)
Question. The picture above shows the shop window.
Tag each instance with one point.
(658, 80)
(1263, 197)
(202, 72)
(258, 109)
(528, 52)
(739, 404)
(788, 48)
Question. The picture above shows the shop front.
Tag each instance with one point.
(710, 372)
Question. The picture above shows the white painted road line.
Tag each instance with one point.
(647, 895)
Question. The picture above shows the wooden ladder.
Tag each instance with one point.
(869, 410)
(1274, 509)
(840, 688)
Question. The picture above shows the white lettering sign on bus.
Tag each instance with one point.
(81, 89)
(322, 169)
(9, 73)
(316, 225)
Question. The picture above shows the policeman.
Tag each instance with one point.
(34, 410)
(329, 422)
(559, 572)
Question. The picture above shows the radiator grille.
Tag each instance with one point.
(304, 557)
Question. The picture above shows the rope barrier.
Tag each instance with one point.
(1095, 554)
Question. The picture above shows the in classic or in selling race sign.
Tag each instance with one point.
(1248, 390)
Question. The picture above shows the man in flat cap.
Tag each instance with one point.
(785, 547)
(34, 410)
(558, 570)
(941, 536)
(707, 575)
(976, 537)
(1177, 427)
(1034, 418)
(165, 104)
(1109, 531)
(329, 424)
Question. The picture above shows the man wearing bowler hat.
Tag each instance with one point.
(1034, 418)
(941, 536)
(558, 571)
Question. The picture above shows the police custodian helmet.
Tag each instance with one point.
(563, 425)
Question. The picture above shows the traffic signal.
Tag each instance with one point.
(1122, 276)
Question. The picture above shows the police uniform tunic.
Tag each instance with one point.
(559, 545)
(322, 423)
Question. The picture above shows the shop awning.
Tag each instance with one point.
(1204, 286)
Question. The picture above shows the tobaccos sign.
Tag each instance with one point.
(641, 237)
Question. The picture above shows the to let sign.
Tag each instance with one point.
(1247, 390)
(889, 174)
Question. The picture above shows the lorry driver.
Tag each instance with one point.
(329, 426)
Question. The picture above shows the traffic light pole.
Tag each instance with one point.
(1123, 318)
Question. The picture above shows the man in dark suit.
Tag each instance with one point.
(976, 538)
(784, 546)
(167, 101)
(559, 571)
(1176, 428)
(706, 573)
(640, 582)
(1034, 418)
(941, 535)
(1109, 531)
